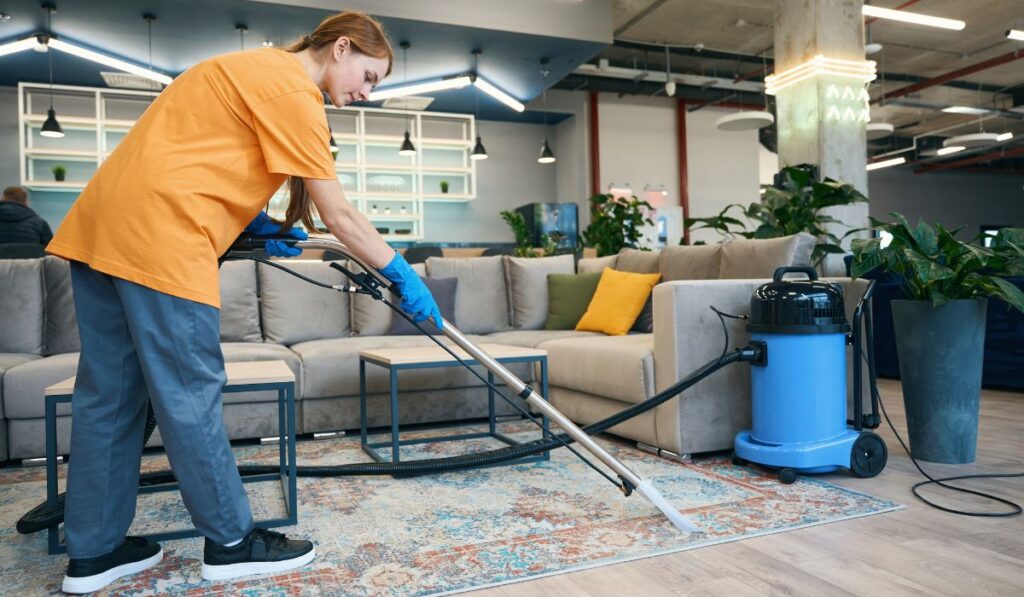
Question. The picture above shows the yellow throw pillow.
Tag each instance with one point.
(618, 300)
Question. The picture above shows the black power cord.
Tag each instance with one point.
(1015, 508)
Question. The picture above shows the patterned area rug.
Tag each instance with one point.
(452, 532)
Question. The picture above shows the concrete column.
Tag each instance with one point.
(821, 120)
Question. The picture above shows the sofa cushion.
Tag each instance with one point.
(22, 292)
(528, 281)
(640, 262)
(481, 302)
(618, 300)
(637, 261)
(617, 367)
(534, 338)
(239, 303)
(569, 296)
(24, 385)
(331, 367)
(754, 259)
(296, 311)
(371, 317)
(241, 352)
(61, 324)
(443, 290)
(589, 265)
(690, 262)
(10, 361)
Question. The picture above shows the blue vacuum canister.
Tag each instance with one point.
(798, 388)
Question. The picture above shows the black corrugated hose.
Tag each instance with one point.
(45, 516)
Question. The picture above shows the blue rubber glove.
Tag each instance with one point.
(416, 298)
(262, 225)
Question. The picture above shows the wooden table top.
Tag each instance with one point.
(251, 372)
(423, 355)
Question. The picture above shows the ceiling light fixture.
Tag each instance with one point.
(497, 94)
(452, 83)
(971, 140)
(242, 30)
(479, 151)
(407, 148)
(1004, 137)
(1015, 34)
(965, 110)
(950, 149)
(670, 85)
(914, 18)
(878, 130)
(18, 46)
(74, 50)
(749, 120)
(886, 163)
(858, 70)
(546, 155)
(51, 128)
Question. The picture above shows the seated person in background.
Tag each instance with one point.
(18, 223)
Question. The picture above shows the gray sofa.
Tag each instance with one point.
(267, 314)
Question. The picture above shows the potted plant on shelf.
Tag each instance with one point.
(59, 172)
(615, 223)
(795, 206)
(444, 187)
(940, 327)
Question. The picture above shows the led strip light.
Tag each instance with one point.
(859, 70)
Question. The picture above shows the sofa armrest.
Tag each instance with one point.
(688, 334)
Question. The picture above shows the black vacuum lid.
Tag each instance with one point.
(798, 306)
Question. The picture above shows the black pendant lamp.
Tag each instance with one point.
(51, 128)
(546, 155)
(407, 149)
(479, 151)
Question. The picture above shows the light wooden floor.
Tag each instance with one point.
(916, 551)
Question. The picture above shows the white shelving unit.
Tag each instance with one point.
(390, 189)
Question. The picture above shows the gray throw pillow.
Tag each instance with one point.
(443, 290)
(641, 262)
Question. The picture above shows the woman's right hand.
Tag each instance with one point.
(416, 298)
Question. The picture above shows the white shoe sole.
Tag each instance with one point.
(88, 584)
(226, 571)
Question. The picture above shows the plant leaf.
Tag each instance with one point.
(1009, 292)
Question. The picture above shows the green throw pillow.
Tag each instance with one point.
(568, 298)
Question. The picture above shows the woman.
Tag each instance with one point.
(143, 239)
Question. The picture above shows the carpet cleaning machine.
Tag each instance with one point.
(797, 353)
(798, 389)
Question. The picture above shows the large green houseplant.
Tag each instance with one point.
(940, 327)
(615, 223)
(795, 206)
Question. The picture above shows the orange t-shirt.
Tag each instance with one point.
(196, 168)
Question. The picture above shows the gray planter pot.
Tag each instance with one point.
(940, 352)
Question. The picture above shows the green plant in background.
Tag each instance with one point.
(794, 208)
(444, 186)
(937, 267)
(615, 223)
(59, 172)
(517, 223)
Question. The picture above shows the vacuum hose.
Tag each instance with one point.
(44, 516)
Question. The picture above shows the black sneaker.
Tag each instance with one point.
(261, 552)
(92, 574)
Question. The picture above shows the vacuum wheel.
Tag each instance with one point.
(869, 455)
(787, 475)
(737, 461)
